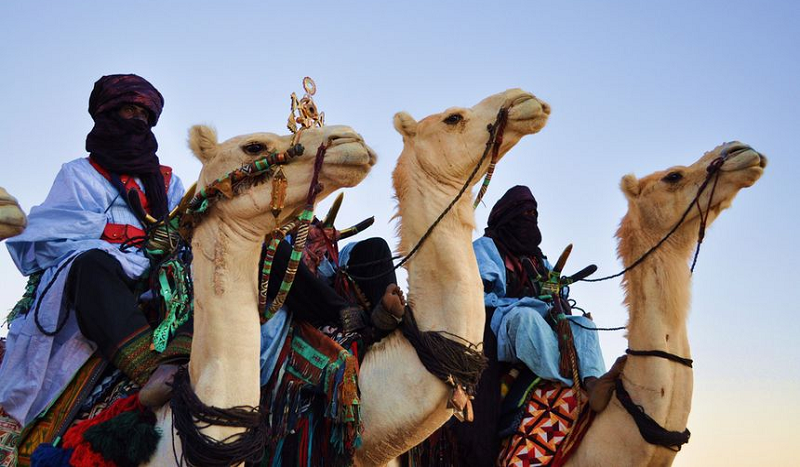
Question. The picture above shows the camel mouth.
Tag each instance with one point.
(350, 152)
(527, 107)
(743, 157)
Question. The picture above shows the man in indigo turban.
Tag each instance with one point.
(82, 253)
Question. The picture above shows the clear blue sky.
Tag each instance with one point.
(634, 87)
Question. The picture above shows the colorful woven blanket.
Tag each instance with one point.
(552, 415)
(313, 401)
(9, 438)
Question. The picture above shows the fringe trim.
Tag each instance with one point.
(315, 409)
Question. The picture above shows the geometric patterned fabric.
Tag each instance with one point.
(44, 428)
(9, 438)
(549, 417)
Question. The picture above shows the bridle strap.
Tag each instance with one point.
(301, 235)
(661, 354)
(498, 141)
(650, 430)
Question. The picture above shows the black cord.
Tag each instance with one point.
(61, 323)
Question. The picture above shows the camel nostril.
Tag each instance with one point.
(545, 107)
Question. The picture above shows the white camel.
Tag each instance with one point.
(224, 368)
(402, 403)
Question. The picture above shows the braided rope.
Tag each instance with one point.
(272, 241)
(502, 118)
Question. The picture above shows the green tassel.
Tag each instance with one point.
(174, 288)
(25, 303)
(129, 439)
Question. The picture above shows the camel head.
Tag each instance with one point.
(447, 146)
(12, 219)
(657, 202)
(347, 162)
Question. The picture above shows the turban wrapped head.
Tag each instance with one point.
(514, 224)
(128, 146)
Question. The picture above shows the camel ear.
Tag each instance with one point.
(405, 124)
(203, 142)
(630, 186)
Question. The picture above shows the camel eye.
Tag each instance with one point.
(453, 119)
(673, 177)
(254, 148)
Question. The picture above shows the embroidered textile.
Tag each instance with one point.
(44, 429)
(313, 402)
(550, 415)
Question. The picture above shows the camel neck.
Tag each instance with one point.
(657, 296)
(444, 282)
(657, 293)
(224, 368)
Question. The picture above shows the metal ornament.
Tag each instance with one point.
(304, 111)
(279, 187)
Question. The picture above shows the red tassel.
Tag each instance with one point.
(73, 438)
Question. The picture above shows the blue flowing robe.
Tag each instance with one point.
(37, 367)
(520, 326)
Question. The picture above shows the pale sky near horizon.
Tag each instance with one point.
(635, 87)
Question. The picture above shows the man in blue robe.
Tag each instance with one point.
(83, 241)
(520, 317)
(518, 326)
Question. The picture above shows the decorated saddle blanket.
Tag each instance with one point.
(92, 390)
(313, 402)
(547, 426)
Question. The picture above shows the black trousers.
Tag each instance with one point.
(104, 300)
(314, 300)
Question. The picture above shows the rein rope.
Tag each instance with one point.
(713, 172)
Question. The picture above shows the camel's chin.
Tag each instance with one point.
(12, 219)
